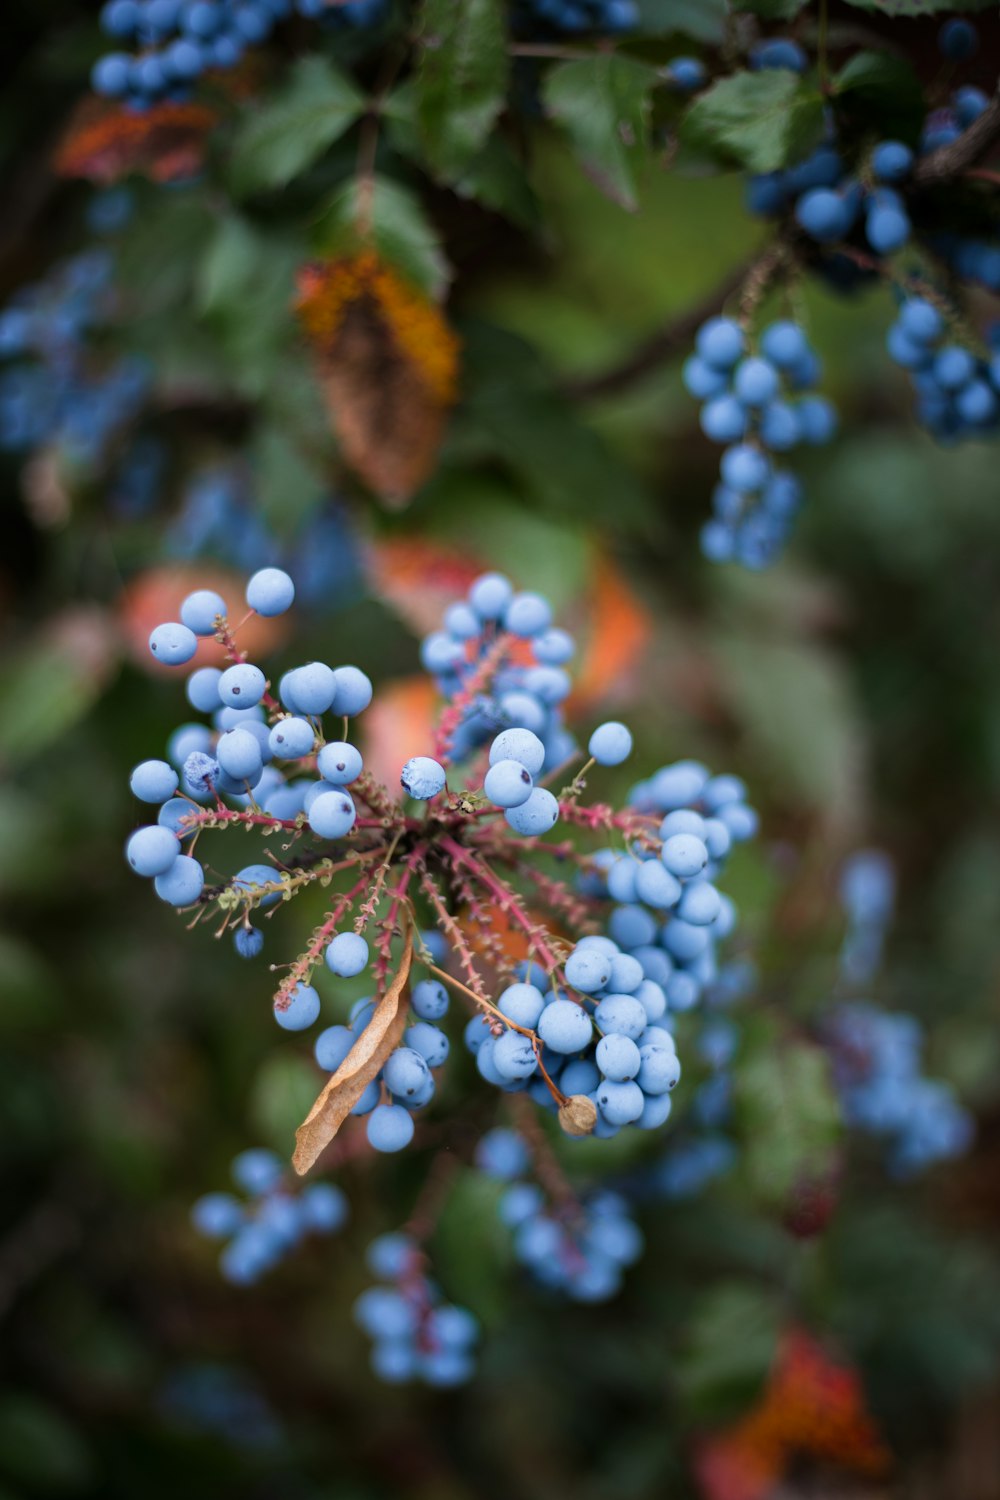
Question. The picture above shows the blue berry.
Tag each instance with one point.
(347, 954)
(270, 592)
(173, 644)
(302, 1010)
(423, 778)
(610, 744)
(390, 1127)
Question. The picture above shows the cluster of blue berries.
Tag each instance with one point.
(53, 390)
(758, 404)
(604, 1037)
(580, 1248)
(957, 388)
(574, 17)
(270, 1221)
(876, 1056)
(883, 1091)
(496, 621)
(176, 42)
(406, 1082)
(218, 518)
(415, 1333)
(668, 914)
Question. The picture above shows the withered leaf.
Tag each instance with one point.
(345, 1087)
(106, 142)
(387, 363)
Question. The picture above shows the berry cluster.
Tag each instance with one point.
(579, 1247)
(757, 402)
(52, 389)
(574, 17)
(218, 518)
(854, 209)
(957, 387)
(176, 42)
(877, 1068)
(416, 1334)
(876, 1056)
(274, 1217)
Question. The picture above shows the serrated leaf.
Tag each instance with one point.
(461, 80)
(788, 1115)
(284, 136)
(387, 217)
(364, 1061)
(705, 20)
(603, 103)
(762, 121)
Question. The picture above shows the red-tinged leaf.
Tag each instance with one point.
(105, 142)
(813, 1407)
(620, 630)
(421, 577)
(388, 361)
(402, 713)
(364, 1061)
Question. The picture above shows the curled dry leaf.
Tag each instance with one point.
(106, 142)
(365, 1059)
(388, 362)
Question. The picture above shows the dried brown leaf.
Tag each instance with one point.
(365, 1059)
(387, 363)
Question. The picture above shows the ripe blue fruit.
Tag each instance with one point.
(292, 738)
(535, 816)
(354, 691)
(610, 744)
(508, 783)
(152, 850)
(270, 592)
(521, 745)
(720, 343)
(153, 781)
(302, 1009)
(242, 686)
(332, 815)
(173, 644)
(423, 778)
(199, 610)
(182, 884)
(429, 1000)
(347, 954)
(390, 1127)
(565, 1026)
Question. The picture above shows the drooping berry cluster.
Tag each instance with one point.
(434, 892)
(416, 1334)
(274, 1217)
(176, 42)
(877, 1055)
(54, 390)
(853, 210)
(757, 403)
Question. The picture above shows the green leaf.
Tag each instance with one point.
(730, 1349)
(472, 1248)
(497, 179)
(284, 136)
(461, 79)
(788, 1115)
(604, 105)
(283, 1093)
(888, 90)
(705, 20)
(288, 486)
(398, 228)
(761, 121)
(228, 266)
(50, 685)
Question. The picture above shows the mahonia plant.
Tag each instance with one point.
(488, 842)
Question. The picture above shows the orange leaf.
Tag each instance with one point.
(106, 142)
(420, 578)
(620, 631)
(364, 1061)
(387, 361)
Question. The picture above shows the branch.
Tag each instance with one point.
(949, 161)
(670, 340)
